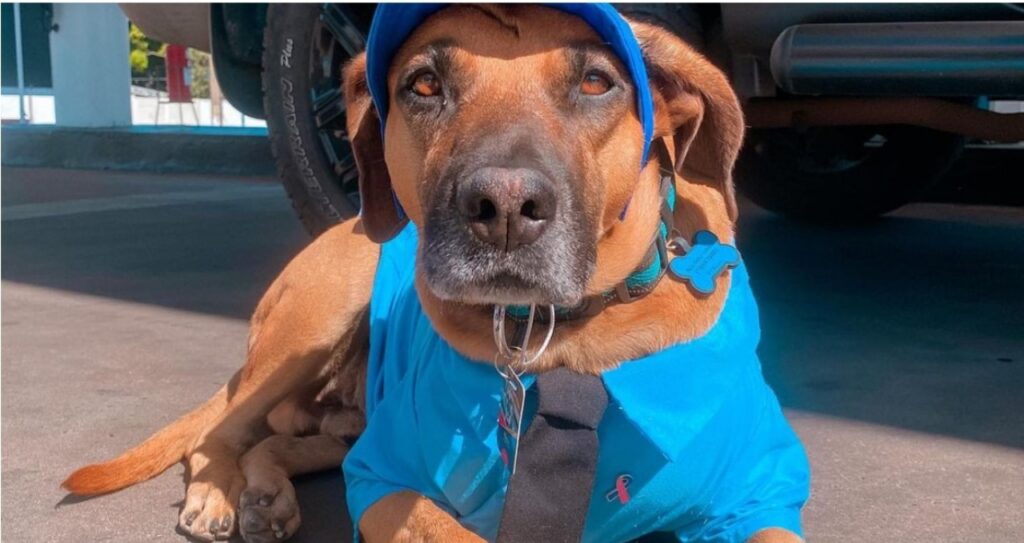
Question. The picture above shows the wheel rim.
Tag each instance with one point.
(336, 38)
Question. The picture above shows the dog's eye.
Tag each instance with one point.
(595, 84)
(426, 84)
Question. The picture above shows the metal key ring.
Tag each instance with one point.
(520, 353)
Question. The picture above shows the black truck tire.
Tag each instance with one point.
(842, 175)
(305, 47)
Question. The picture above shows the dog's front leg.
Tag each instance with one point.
(318, 299)
(277, 366)
(268, 507)
(407, 517)
(214, 485)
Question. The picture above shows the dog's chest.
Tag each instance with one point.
(691, 435)
(639, 486)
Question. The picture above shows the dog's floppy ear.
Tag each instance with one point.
(380, 215)
(695, 104)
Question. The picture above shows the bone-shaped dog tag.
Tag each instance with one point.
(510, 417)
(704, 262)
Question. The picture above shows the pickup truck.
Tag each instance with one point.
(853, 109)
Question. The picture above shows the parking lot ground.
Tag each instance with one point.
(896, 348)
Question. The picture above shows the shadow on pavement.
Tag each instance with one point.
(209, 257)
(913, 322)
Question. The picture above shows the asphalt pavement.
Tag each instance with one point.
(897, 350)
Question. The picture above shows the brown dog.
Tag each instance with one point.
(299, 396)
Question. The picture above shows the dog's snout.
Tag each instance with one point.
(506, 207)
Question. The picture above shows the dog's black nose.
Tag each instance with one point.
(506, 207)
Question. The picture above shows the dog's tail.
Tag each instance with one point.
(149, 458)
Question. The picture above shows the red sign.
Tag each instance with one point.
(178, 77)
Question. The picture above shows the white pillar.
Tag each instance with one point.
(91, 72)
(20, 59)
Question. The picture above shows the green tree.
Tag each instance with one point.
(199, 63)
(146, 57)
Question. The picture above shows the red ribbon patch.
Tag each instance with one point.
(621, 484)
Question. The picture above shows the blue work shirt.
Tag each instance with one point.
(694, 428)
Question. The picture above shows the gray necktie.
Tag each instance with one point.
(549, 494)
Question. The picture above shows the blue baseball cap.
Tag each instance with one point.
(393, 23)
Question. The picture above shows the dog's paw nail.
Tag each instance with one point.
(225, 523)
(279, 534)
(190, 518)
(265, 501)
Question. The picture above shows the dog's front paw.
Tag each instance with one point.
(208, 514)
(269, 511)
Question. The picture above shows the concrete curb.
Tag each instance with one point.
(183, 149)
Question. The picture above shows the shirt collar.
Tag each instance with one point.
(669, 396)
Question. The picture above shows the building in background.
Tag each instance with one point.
(69, 65)
(27, 87)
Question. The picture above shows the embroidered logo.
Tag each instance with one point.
(621, 490)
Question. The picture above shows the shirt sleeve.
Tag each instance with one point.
(386, 459)
(768, 486)
(778, 507)
(778, 504)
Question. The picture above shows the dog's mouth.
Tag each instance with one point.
(457, 267)
(500, 287)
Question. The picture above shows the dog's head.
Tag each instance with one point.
(513, 142)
